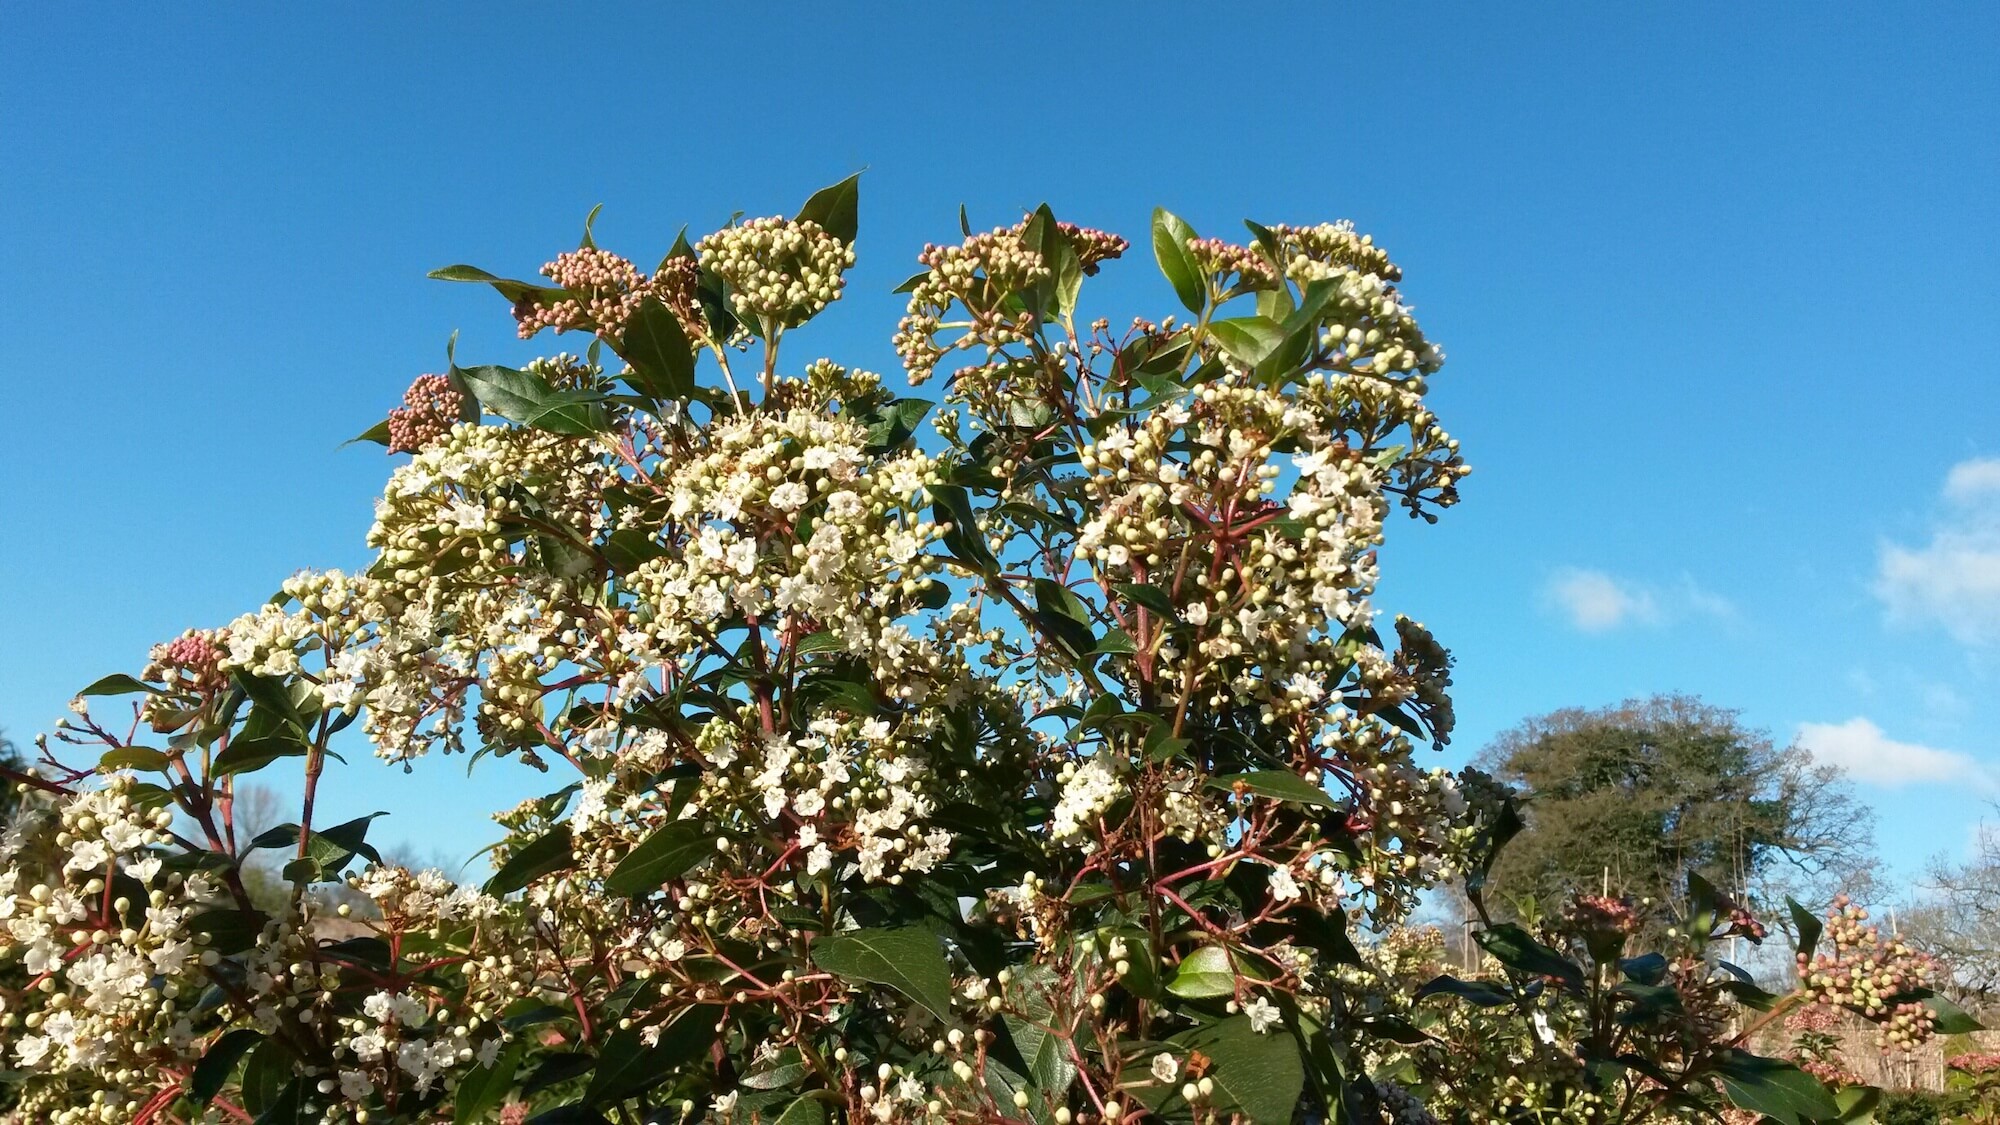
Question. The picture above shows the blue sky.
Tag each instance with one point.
(1717, 284)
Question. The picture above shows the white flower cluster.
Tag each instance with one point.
(783, 271)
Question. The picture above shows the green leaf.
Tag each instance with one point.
(377, 433)
(1280, 785)
(1950, 1019)
(1808, 925)
(907, 959)
(782, 1072)
(272, 694)
(229, 931)
(1042, 1045)
(1481, 993)
(289, 1108)
(836, 208)
(570, 1115)
(544, 854)
(1170, 249)
(661, 356)
(265, 1076)
(1248, 339)
(628, 1066)
(1857, 1104)
(219, 1062)
(135, 758)
(1774, 1088)
(1207, 972)
(1512, 947)
(628, 548)
(1065, 268)
(1258, 1075)
(803, 1111)
(118, 684)
(515, 291)
(1150, 596)
(667, 854)
(1063, 616)
(331, 849)
(1647, 968)
(484, 1087)
(519, 396)
(952, 505)
(244, 755)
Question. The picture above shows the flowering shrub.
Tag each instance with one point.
(1027, 766)
(1575, 1025)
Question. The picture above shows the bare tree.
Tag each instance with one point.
(1956, 918)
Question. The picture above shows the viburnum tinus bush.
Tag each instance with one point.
(1020, 757)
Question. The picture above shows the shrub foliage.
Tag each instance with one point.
(1022, 756)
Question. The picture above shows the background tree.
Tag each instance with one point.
(1957, 920)
(1632, 798)
(10, 758)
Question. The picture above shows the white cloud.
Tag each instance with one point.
(1972, 481)
(1953, 581)
(1868, 755)
(1595, 602)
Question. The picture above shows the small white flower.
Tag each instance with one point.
(1283, 887)
(789, 496)
(1165, 1068)
(1262, 1013)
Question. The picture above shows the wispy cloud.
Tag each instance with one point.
(1953, 581)
(1593, 601)
(1869, 755)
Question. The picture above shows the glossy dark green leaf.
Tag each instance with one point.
(1512, 947)
(244, 755)
(802, 1111)
(629, 1065)
(483, 1088)
(134, 758)
(951, 505)
(118, 684)
(1775, 1088)
(1259, 1074)
(908, 959)
(520, 396)
(1279, 785)
(1207, 972)
(272, 695)
(515, 291)
(1037, 1034)
(1950, 1019)
(570, 1115)
(377, 433)
(781, 1072)
(229, 931)
(541, 856)
(670, 852)
(661, 356)
(219, 1062)
(1147, 595)
(1808, 925)
(265, 1075)
(1647, 968)
(1248, 339)
(1170, 248)
(836, 208)
(1478, 992)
